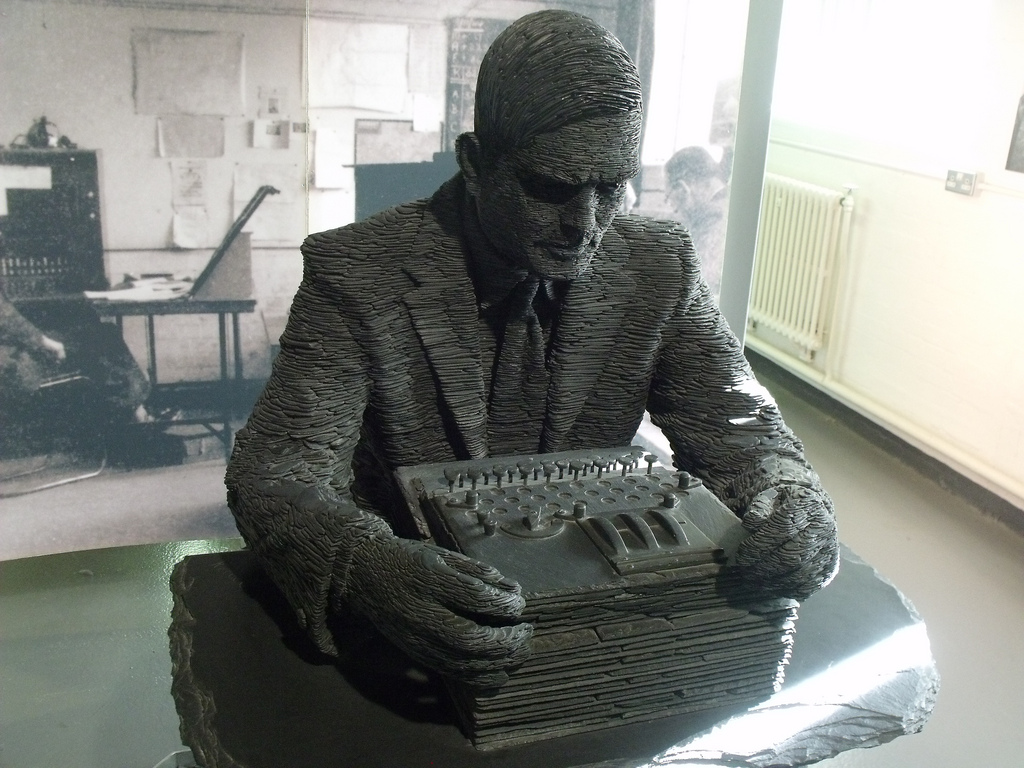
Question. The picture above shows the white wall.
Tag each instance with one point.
(888, 96)
(73, 63)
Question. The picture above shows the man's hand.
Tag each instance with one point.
(448, 612)
(55, 349)
(793, 549)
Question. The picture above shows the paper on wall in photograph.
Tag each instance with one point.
(331, 208)
(428, 52)
(355, 64)
(187, 72)
(427, 114)
(271, 134)
(341, 125)
(190, 136)
(188, 182)
(343, 179)
(394, 141)
(273, 103)
(331, 150)
(190, 226)
(281, 218)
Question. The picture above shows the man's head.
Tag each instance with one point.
(692, 179)
(557, 135)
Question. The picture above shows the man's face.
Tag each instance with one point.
(546, 206)
(680, 197)
(688, 196)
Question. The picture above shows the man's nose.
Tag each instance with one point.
(579, 216)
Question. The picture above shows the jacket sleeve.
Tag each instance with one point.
(16, 330)
(290, 473)
(724, 427)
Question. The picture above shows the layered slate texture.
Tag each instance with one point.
(625, 566)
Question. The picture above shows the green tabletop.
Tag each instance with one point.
(85, 673)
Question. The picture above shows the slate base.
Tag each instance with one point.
(251, 691)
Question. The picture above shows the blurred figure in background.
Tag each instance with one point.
(700, 202)
(27, 355)
(47, 345)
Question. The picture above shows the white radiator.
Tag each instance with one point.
(801, 240)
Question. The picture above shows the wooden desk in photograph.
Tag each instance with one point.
(231, 377)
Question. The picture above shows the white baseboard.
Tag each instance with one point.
(1007, 488)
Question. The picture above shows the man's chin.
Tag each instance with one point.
(561, 267)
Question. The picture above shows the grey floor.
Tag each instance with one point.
(962, 570)
(118, 508)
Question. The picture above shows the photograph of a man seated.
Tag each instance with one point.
(48, 351)
(515, 311)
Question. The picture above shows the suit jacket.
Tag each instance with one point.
(380, 368)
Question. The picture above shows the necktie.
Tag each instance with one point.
(519, 391)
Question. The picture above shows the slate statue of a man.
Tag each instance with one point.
(512, 312)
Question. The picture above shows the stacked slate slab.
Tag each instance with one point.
(625, 566)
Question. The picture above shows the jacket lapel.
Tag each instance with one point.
(442, 306)
(588, 329)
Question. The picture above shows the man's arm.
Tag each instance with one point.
(289, 488)
(291, 468)
(18, 331)
(725, 428)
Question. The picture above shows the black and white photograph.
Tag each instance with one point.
(1015, 158)
(519, 383)
(163, 171)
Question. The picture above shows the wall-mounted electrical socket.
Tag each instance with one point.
(961, 182)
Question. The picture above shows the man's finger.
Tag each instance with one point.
(760, 510)
(469, 595)
(479, 570)
(479, 646)
(474, 587)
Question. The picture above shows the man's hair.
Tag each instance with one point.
(549, 69)
(690, 164)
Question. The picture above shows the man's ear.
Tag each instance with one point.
(469, 154)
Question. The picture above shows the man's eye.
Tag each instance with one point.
(548, 190)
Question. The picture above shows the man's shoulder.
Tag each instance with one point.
(376, 234)
(644, 233)
(654, 241)
(660, 254)
(386, 239)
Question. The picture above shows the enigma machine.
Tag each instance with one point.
(626, 571)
